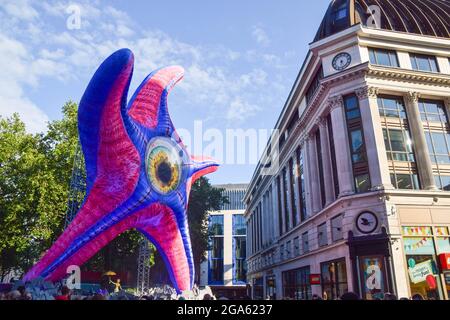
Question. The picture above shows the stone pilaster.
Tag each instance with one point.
(306, 172)
(373, 138)
(326, 162)
(343, 160)
(314, 174)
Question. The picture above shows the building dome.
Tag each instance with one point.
(423, 17)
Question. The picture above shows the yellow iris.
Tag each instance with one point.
(164, 172)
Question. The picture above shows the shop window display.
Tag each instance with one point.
(334, 279)
(373, 275)
(422, 246)
(296, 284)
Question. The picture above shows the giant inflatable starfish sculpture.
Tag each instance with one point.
(139, 173)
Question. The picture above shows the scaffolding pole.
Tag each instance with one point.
(143, 276)
(77, 187)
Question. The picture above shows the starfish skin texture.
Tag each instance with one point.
(118, 140)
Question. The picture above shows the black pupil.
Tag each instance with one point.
(164, 172)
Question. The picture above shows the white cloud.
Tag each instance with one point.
(20, 9)
(213, 73)
(240, 110)
(15, 74)
(260, 35)
(34, 118)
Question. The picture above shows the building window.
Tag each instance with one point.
(239, 228)
(282, 252)
(438, 146)
(296, 246)
(424, 62)
(391, 107)
(405, 181)
(235, 199)
(286, 196)
(315, 84)
(254, 232)
(357, 144)
(288, 249)
(358, 152)
(320, 165)
(437, 134)
(292, 177)
(322, 235)
(296, 284)
(383, 57)
(305, 242)
(340, 12)
(280, 212)
(258, 288)
(216, 225)
(216, 252)
(301, 185)
(432, 112)
(260, 230)
(239, 244)
(443, 182)
(336, 228)
(398, 143)
(334, 279)
(333, 155)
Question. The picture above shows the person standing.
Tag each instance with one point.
(65, 294)
(118, 286)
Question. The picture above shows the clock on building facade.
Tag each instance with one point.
(342, 61)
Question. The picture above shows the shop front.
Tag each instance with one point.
(271, 286)
(258, 288)
(426, 249)
(372, 265)
(333, 279)
(296, 284)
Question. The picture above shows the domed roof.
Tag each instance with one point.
(423, 17)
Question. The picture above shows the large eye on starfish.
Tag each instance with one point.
(164, 163)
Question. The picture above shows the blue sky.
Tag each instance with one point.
(240, 58)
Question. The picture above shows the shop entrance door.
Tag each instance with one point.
(372, 265)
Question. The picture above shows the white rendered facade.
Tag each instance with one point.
(228, 280)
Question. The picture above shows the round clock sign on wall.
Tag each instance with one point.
(366, 222)
(342, 61)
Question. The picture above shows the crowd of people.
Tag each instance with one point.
(354, 296)
(43, 290)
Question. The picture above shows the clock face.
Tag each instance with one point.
(342, 61)
(366, 222)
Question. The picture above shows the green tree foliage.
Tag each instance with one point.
(30, 197)
(35, 171)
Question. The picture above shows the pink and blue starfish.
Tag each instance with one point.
(139, 173)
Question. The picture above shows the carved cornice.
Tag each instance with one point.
(367, 92)
(407, 75)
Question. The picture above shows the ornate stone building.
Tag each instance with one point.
(360, 201)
